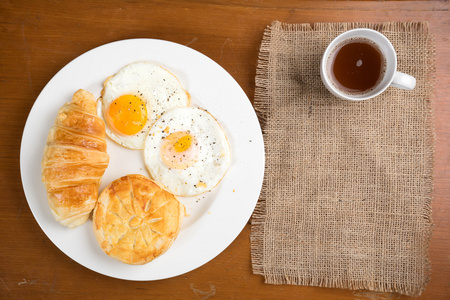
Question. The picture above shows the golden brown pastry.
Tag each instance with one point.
(136, 220)
(75, 160)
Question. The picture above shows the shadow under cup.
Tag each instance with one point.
(384, 45)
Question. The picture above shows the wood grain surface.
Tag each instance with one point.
(38, 38)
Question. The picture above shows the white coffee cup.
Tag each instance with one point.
(391, 76)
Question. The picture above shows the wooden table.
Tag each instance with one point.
(37, 38)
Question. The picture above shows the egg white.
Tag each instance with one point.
(157, 87)
(213, 157)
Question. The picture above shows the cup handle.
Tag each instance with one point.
(403, 81)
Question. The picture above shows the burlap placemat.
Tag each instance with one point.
(347, 189)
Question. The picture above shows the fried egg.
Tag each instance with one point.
(187, 151)
(134, 98)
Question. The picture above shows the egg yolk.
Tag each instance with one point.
(179, 150)
(127, 114)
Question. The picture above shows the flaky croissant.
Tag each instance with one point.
(75, 160)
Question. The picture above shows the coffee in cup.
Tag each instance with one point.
(360, 64)
(356, 66)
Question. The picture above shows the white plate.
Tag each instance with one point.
(216, 218)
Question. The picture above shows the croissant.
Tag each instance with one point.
(75, 160)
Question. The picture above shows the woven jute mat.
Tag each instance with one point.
(346, 198)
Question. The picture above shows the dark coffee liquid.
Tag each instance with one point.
(357, 66)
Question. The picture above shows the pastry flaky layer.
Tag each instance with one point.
(136, 220)
(75, 160)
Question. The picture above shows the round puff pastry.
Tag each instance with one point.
(136, 220)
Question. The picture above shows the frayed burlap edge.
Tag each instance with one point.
(261, 105)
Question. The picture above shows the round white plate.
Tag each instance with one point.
(215, 218)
